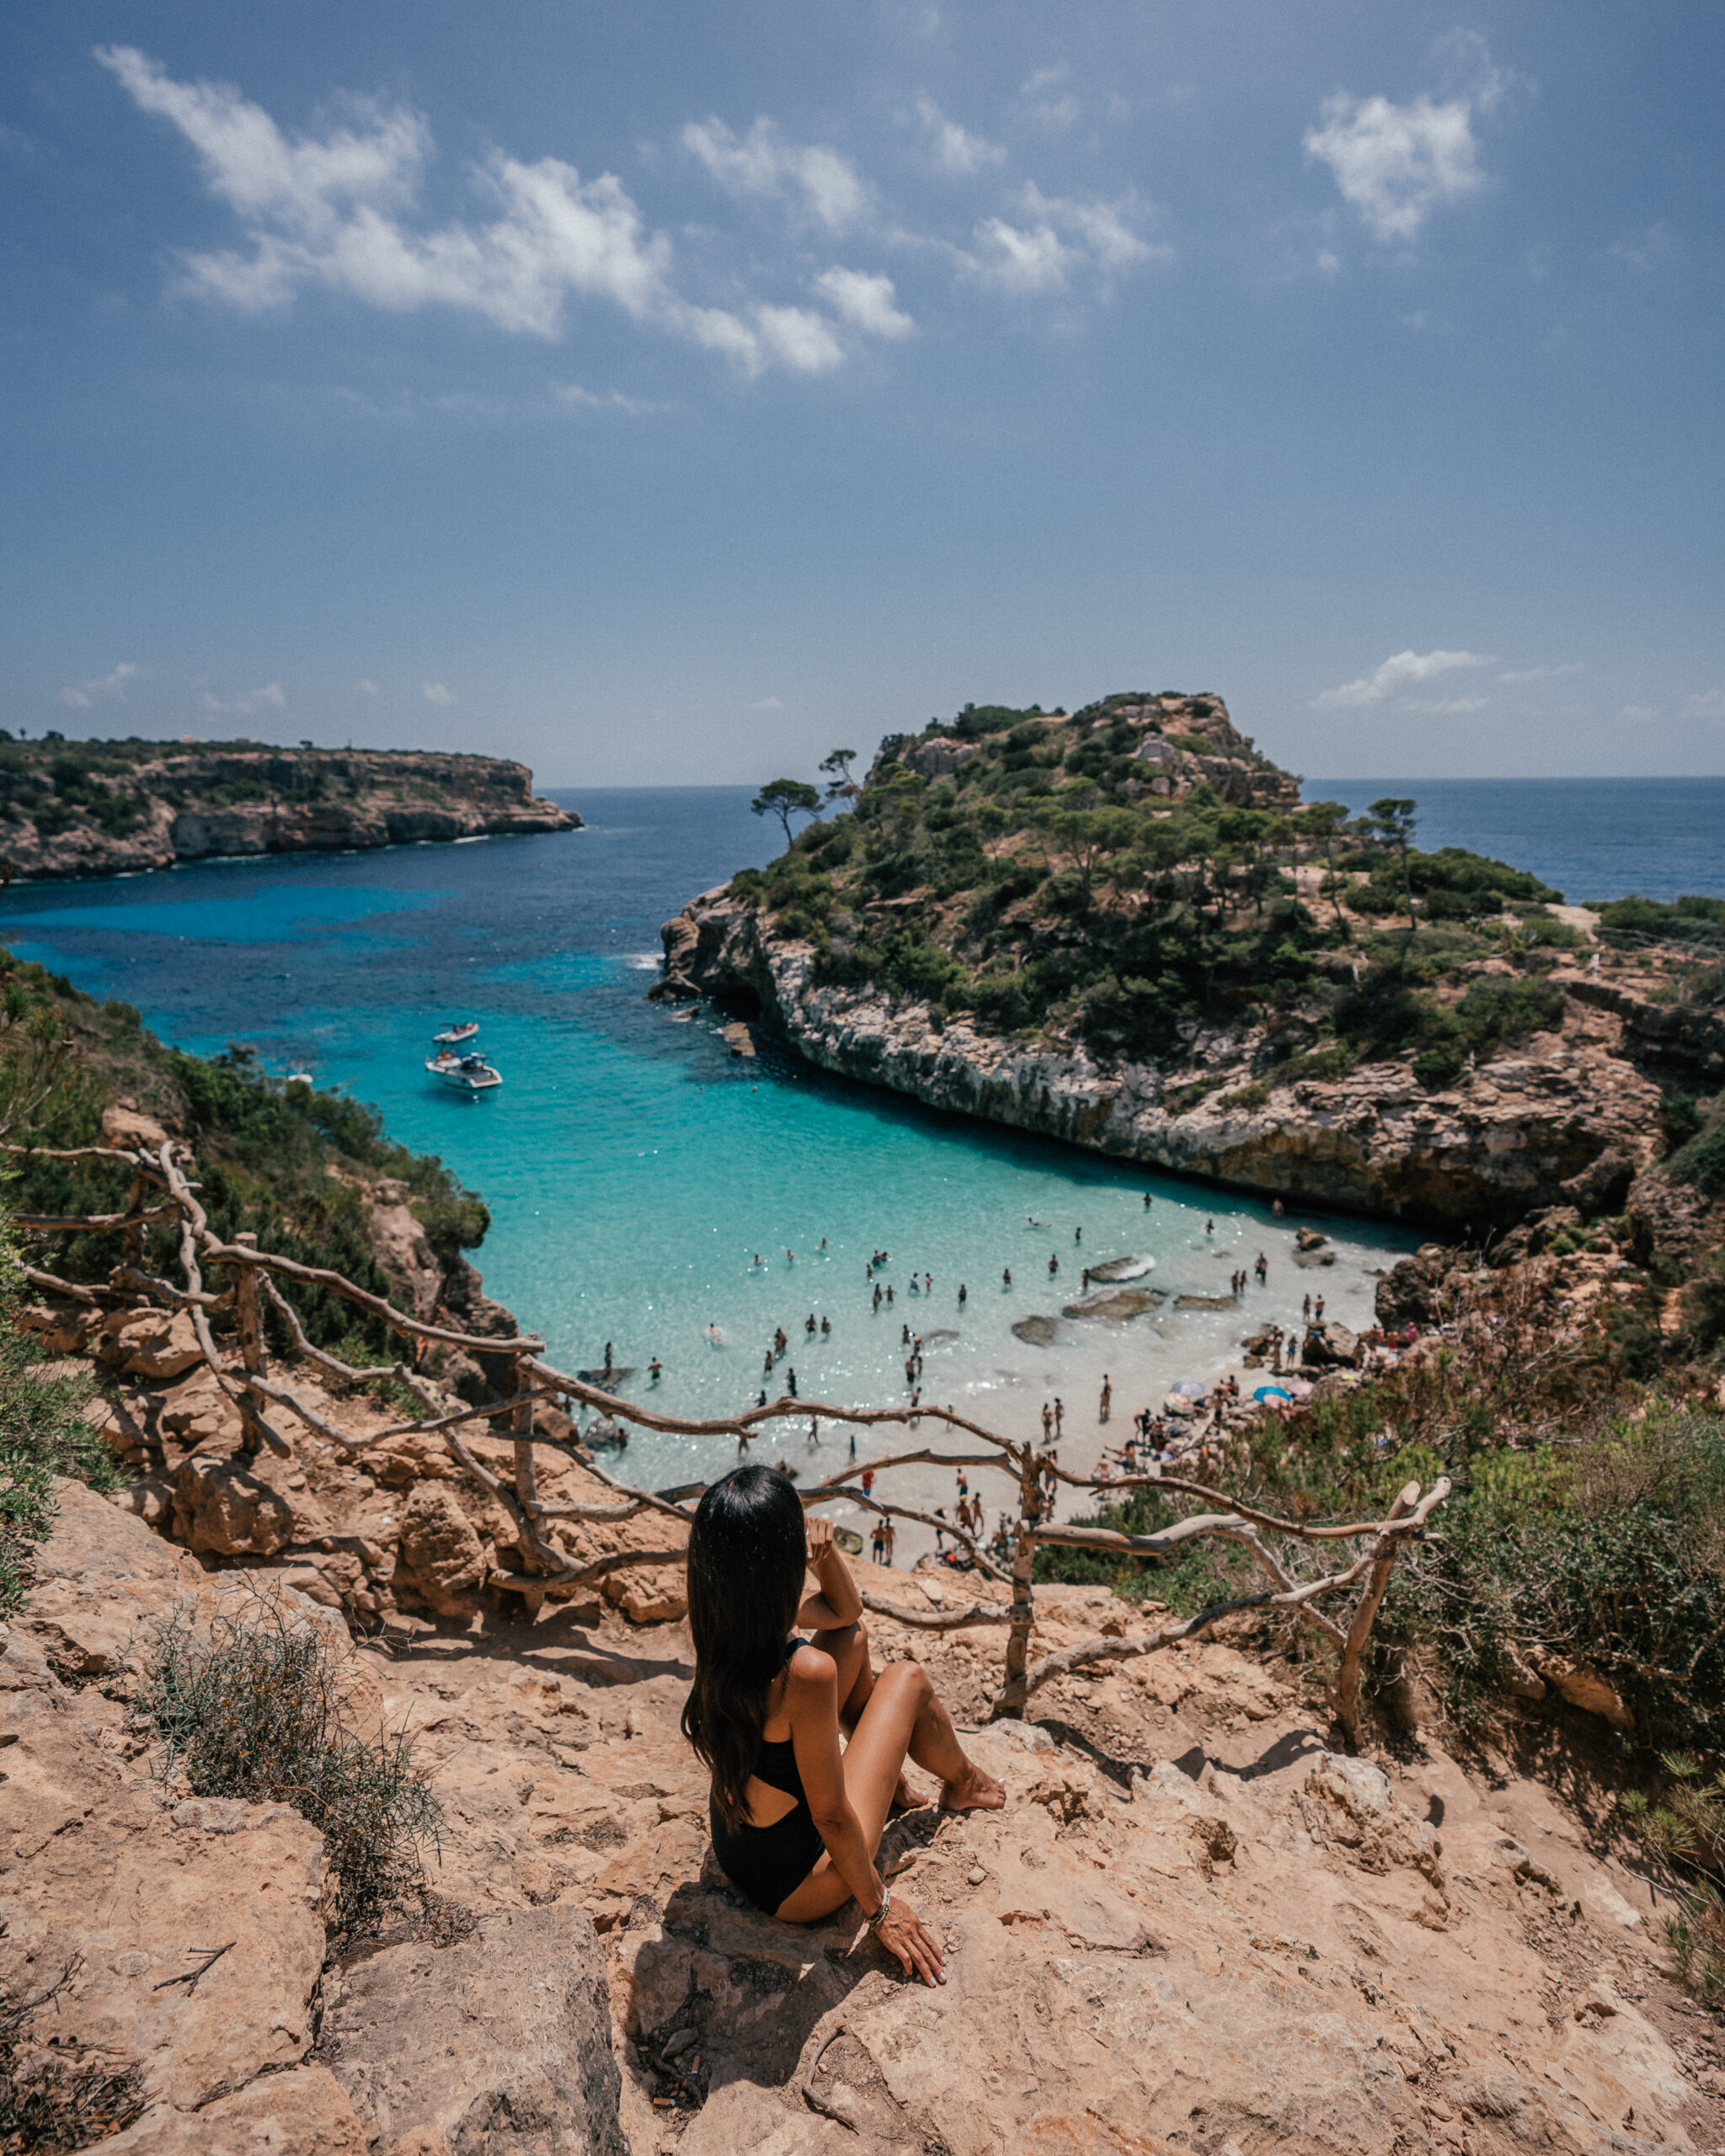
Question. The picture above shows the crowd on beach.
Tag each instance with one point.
(1188, 1431)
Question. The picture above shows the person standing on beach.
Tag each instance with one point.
(1060, 1415)
(1047, 1421)
(655, 1370)
(879, 1543)
(1108, 1395)
(891, 1540)
(1261, 1268)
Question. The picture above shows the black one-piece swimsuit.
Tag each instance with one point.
(768, 1864)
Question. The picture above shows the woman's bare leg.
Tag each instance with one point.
(849, 1649)
(903, 1715)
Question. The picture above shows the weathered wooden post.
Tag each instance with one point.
(526, 1478)
(1010, 1706)
(132, 1243)
(251, 1338)
(1366, 1609)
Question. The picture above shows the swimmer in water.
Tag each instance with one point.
(1006, 1278)
(655, 1370)
(715, 1338)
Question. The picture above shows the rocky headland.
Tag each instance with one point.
(116, 808)
(1190, 971)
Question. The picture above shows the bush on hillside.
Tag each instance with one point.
(255, 1705)
(43, 1434)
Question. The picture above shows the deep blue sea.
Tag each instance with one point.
(635, 1170)
(1594, 838)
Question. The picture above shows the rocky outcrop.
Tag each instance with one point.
(1192, 1925)
(1564, 1118)
(118, 808)
(114, 1884)
(533, 2071)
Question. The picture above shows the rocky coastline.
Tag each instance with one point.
(1565, 1119)
(123, 808)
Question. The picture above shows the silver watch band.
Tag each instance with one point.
(886, 1903)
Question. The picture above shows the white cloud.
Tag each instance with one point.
(333, 211)
(1404, 671)
(1047, 101)
(1058, 237)
(1709, 704)
(956, 149)
(612, 400)
(1395, 163)
(108, 684)
(250, 702)
(799, 339)
(769, 703)
(825, 185)
(1450, 706)
(1649, 251)
(370, 689)
(1544, 673)
(433, 692)
(1638, 714)
(864, 300)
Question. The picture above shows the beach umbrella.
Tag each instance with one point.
(1189, 1389)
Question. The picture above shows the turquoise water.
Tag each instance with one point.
(634, 1169)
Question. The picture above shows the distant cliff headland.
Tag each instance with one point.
(1122, 927)
(112, 808)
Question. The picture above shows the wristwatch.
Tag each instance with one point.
(886, 1903)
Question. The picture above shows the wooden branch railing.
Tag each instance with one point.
(258, 1276)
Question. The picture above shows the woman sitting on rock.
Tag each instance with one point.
(796, 1819)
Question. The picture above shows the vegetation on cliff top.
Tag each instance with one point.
(1119, 879)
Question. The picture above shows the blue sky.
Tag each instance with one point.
(662, 392)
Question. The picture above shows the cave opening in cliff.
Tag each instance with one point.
(738, 1002)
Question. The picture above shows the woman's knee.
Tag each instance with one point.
(910, 1677)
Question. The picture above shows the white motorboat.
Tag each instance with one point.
(453, 1036)
(467, 1074)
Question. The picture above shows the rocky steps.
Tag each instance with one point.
(1194, 1928)
(1568, 1118)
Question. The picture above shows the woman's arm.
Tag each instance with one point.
(812, 1702)
(838, 1603)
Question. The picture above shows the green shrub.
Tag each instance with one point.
(43, 1434)
(255, 1705)
(1701, 1161)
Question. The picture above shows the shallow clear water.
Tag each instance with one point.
(634, 1169)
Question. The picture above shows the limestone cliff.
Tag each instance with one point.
(107, 808)
(1566, 1119)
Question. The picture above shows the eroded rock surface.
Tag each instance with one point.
(1196, 1925)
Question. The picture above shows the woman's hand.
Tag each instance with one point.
(819, 1532)
(902, 1932)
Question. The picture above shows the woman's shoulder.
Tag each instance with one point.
(809, 1667)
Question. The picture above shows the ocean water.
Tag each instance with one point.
(636, 1171)
(1593, 838)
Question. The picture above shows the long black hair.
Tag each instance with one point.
(748, 1553)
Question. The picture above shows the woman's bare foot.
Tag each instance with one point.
(905, 1797)
(976, 1792)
